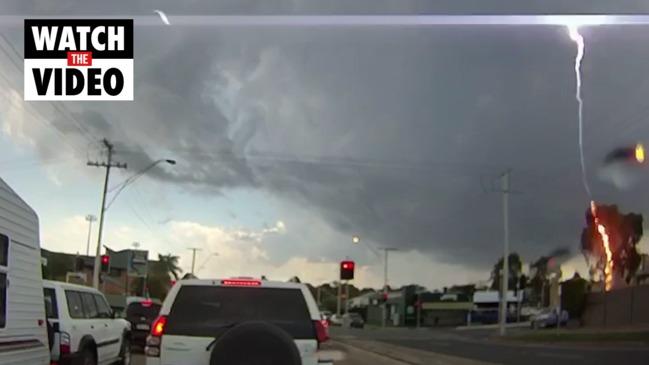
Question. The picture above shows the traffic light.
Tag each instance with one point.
(347, 270)
(105, 263)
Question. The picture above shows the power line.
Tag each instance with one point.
(58, 105)
(40, 118)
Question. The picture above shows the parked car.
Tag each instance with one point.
(548, 318)
(336, 320)
(23, 327)
(353, 320)
(140, 313)
(84, 329)
(242, 320)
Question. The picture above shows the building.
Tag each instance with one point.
(362, 301)
(439, 309)
(125, 277)
(486, 304)
(398, 307)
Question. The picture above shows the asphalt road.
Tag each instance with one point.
(480, 346)
(350, 356)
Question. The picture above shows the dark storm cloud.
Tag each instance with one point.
(398, 135)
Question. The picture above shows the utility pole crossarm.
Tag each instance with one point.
(118, 165)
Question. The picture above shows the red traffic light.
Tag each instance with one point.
(105, 259)
(346, 270)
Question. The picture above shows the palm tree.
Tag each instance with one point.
(168, 264)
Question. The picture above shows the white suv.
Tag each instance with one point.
(237, 321)
(82, 327)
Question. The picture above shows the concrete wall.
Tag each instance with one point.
(621, 307)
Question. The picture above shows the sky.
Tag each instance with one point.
(289, 141)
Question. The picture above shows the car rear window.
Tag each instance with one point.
(206, 311)
(136, 310)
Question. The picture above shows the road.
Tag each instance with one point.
(350, 356)
(481, 346)
(445, 344)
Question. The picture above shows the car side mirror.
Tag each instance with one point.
(113, 315)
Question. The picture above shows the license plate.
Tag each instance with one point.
(142, 327)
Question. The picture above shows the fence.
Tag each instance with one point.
(621, 307)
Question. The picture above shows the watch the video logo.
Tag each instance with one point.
(78, 59)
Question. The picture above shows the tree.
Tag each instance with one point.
(169, 265)
(542, 268)
(160, 276)
(624, 231)
(515, 268)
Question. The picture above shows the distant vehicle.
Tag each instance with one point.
(84, 329)
(353, 320)
(548, 318)
(23, 327)
(336, 320)
(222, 321)
(141, 312)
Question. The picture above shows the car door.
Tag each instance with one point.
(113, 331)
(78, 325)
(97, 328)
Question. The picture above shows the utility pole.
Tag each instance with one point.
(194, 257)
(89, 218)
(385, 282)
(108, 164)
(338, 302)
(318, 295)
(504, 283)
(347, 296)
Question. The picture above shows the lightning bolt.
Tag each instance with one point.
(573, 33)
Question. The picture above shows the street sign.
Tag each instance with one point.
(138, 263)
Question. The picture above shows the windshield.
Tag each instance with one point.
(465, 167)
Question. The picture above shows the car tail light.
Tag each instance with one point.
(152, 348)
(158, 327)
(321, 330)
(64, 343)
(146, 303)
(240, 282)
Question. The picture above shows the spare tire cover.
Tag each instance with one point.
(255, 343)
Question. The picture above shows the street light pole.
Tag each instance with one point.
(385, 283)
(505, 275)
(89, 218)
(121, 186)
